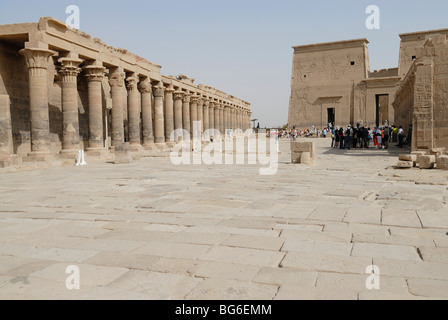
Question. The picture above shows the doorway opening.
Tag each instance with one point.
(331, 115)
(382, 109)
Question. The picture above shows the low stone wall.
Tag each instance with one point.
(424, 159)
(303, 153)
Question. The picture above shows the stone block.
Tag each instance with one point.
(419, 153)
(426, 162)
(295, 157)
(306, 158)
(122, 155)
(442, 162)
(437, 151)
(300, 147)
(408, 157)
(405, 164)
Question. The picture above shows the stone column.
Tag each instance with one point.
(178, 97)
(169, 113)
(200, 117)
(134, 113)
(193, 112)
(186, 115)
(94, 75)
(37, 58)
(249, 118)
(116, 82)
(146, 96)
(217, 121)
(206, 116)
(211, 115)
(238, 118)
(232, 117)
(70, 116)
(6, 142)
(159, 129)
(221, 119)
(227, 117)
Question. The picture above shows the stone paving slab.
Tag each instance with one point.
(254, 242)
(328, 263)
(252, 257)
(217, 289)
(151, 230)
(374, 250)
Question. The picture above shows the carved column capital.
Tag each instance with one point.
(194, 99)
(170, 89)
(70, 66)
(159, 90)
(116, 78)
(145, 86)
(36, 59)
(94, 73)
(131, 83)
(178, 95)
(187, 97)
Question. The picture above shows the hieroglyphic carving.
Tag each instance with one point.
(333, 65)
(302, 101)
(360, 100)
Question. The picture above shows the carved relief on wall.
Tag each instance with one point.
(360, 100)
(301, 101)
(333, 67)
(299, 71)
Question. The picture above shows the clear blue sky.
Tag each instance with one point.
(241, 47)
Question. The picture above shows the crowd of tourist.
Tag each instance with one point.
(356, 137)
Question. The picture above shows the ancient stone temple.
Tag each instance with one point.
(422, 98)
(333, 83)
(62, 90)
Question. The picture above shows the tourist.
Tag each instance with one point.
(386, 136)
(379, 137)
(375, 137)
(348, 137)
(341, 138)
(400, 137)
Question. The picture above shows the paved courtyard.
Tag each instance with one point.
(152, 230)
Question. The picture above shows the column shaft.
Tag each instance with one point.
(159, 129)
(94, 75)
(37, 62)
(116, 81)
(217, 121)
(178, 97)
(200, 117)
(186, 116)
(206, 116)
(193, 115)
(211, 116)
(221, 119)
(134, 112)
(146, 97)
(169, 113)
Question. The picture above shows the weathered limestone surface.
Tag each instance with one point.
(442, 162)
(146, 237)
(426, 162)
(121, 154)
(303, 152)
(405, 164)
(6, 144)
(420, 101)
